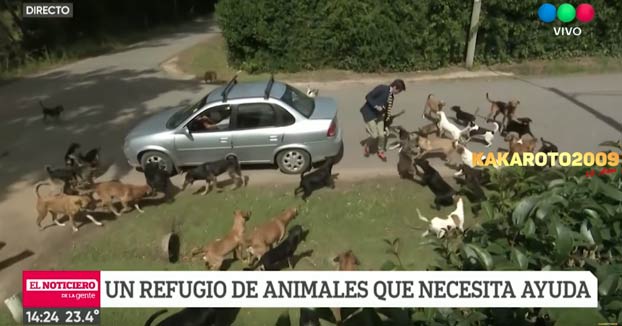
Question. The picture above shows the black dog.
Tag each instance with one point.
(271, 260)
(73, 157)
(463, 117)
(210, 171)
(158, 179)
(474, 179)
(67, 177)
(309, 317)
(52, 112)
(443, 192)
(321, 177)
(187, 317)
(521, 126)
(547, 147)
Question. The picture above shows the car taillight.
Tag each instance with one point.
(332, 130)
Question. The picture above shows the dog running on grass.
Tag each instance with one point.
(444, 194)
(263, 237)
(321, 177)
(51, 112)
(210, 171)
(127, 194)
(507, 109)
(215, 252)
(283, 252)
(439, 226)
(62, 205)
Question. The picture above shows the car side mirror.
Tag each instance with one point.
(185, 131)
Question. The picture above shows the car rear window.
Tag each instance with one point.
(183, 114)
(299, 101)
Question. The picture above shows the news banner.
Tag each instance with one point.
(77, 297)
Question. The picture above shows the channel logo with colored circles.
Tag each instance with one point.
(566, 13)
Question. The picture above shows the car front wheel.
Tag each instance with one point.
(293, 161)
(158, 157)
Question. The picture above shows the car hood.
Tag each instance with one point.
(153, 124)
(325, 108)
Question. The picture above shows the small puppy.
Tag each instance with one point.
(261, 239)
(508, 109)
(439, 226)
(271, 260)
(210, 171)
(443, 192)
(521, 126)
(432, 107)
(158, 179)
(214, 253)
(489, 135)
(210, 77)
(321, 177)
(312, 92)
(462, 116)
(51, 112)
(547, 147)
(444, 125)
(125, 193)
(187, 317)
(431, 145)
(62, 205)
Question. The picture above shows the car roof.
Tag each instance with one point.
(242, 90)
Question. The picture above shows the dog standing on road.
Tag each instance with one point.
(521, 126)
(463, 117)
(488, 134)
(444, 125)
(51, 112)
(507, 109)
(127, 194)
(62, 205)
(432, 107)
(210, 171)
(158, 179)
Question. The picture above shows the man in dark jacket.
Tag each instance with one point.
(375, 111)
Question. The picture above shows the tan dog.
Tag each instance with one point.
(126, 193)
(214, 253)
(263, 237)
(527, 144)
(430, 145)
(61, 204)
(347, 262)
(432, 107)
(508, 109)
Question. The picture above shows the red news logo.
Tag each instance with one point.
(61, 289)
(62, 285)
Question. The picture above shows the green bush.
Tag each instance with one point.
(401, 35)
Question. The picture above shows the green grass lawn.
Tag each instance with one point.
(355, 216)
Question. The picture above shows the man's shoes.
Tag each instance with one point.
(366, 151)
(382, 156)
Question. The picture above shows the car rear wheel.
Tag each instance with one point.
(158, 157)
(293, 161)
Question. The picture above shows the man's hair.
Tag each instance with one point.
(399, 84)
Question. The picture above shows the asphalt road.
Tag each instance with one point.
(106, 95)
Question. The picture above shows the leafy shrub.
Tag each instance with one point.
(400, 35)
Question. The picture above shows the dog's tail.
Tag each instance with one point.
(430, 95)
(488, 98)
(421, 217)
(496, 127)
(37, 186)
(154, 316)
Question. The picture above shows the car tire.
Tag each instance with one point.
(293, 161)
(159, 157)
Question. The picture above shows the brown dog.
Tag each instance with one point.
(61, 204)
(126, 193)
(347, 262)
(263, 237)
(214, 253)
(508, 109)
(432, 107)
(430, 145)
(526, 144)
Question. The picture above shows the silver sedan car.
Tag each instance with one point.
(258, 122)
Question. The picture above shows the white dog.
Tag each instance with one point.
(466, 156)
(452, 129)
(489, 135)
(440, 226)
(312, 92)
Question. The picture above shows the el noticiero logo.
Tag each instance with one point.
(566, 13)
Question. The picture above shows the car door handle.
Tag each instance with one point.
(224, 139)
(274, 138)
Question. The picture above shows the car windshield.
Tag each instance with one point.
(183, 114)
(299, 101)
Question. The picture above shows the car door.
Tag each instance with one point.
(196, 144)
(257, 130)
